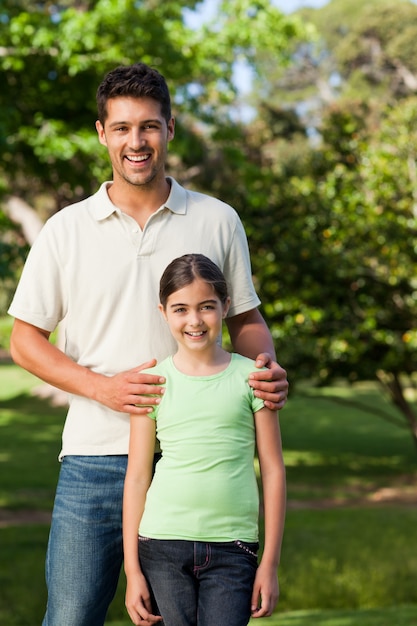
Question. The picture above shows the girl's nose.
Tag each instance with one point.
(195, 319)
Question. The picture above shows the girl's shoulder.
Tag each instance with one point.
(244, 364)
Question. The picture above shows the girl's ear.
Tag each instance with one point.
(226, 307)
(161, 308)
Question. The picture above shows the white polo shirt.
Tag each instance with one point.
(93, 265)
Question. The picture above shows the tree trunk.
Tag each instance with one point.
(23, 214)
(392, 383)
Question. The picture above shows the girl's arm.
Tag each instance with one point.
(137, 481)
(268, 441)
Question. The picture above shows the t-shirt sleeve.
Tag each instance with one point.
(257, 403)
(40, 297)
(247, 367)
(238, 272)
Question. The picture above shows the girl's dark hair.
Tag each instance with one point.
(183, 270)
(134, 81)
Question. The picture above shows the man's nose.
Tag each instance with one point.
(137, 139)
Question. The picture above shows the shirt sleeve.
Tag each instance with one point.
(40, 295)
(238, 272)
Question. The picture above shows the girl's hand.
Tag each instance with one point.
(138, 602)
(265, 592)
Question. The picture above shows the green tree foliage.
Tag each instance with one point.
(378, 51)
(332, 229)
(328, 197)
(363, 50)
(53, 55)
(12, 253)
(52, 60)
(336, 256)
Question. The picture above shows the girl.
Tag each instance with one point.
(198, 520)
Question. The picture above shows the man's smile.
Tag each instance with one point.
(137, 158)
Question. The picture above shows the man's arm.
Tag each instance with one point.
(31, 349)
(250, 337)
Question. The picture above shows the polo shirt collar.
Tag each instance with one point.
(103, 207)
(177, 199)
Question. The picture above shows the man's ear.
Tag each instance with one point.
(101, 133)
(171, 129)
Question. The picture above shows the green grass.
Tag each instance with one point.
(349, 558)
(350, 565)
(22, 588)
(30, 432)
(337, 450)
(393, 616)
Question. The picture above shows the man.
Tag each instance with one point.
(97, 264)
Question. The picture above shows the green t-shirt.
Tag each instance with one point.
(205, 488)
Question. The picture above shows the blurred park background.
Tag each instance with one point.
(305, 122)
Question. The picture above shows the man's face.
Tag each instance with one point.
(136, 136)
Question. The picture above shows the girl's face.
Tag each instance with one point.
(194, 315)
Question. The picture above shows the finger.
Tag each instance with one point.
(262, 610)
(135, 616)
(275, 406)
(260, 613)
(269, 377)
(147, 394)
(264, 380)
(261, 375)
(151, 619)
(268, 386)
(146, 365)
(143, 617)
(263, 360)
(255, 600)
(272, 391)
(132, 409)
(137, 378)
(273, 401)
(268, 393)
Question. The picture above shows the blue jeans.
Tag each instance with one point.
(200, 583)
(85, 549)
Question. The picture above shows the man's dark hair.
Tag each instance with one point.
(134, 81)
